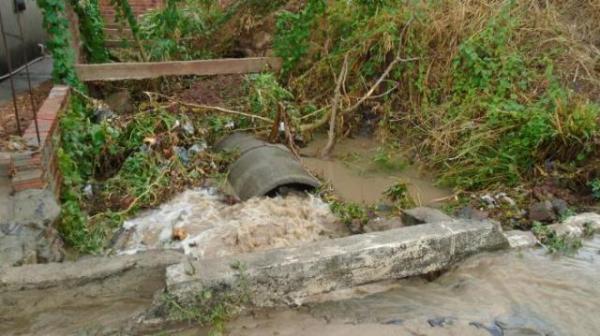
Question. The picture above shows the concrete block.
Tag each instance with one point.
(423, 215)
(293, 275)
(83, 271)
(521, 239)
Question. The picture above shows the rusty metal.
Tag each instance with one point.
(26, 61)
(10, 70)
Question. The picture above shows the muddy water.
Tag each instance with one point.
(356, 176)
(509, 293)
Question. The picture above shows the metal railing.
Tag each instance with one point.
(11, 74)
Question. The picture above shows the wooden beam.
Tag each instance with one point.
(123, 71)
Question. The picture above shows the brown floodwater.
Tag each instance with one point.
(361, 170)
(505, 293)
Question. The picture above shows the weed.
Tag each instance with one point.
(555, 244)
(353, 215)
(293, 32)
(174, 29)
(387, 160)
(211, 307)
(399, 195)
(124, 172)
(595, 185)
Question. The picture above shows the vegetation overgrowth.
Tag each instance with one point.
(488, 94)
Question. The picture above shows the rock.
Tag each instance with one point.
(469, 212)
(27, 233)
(560, 206)
(384, 208)
(520, 239)
(578, 225)
(423, 215)
(515, 325)
(441, 321)
(383, 224)
(295, 275)
(120, 102)
(542, 212)
(101, 113)
(35, 207)
(590, 220)
(356, 226)
(188, 127)
(503, 197)
(489, 201)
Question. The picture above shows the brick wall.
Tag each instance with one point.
(138, 7)
(38, 169)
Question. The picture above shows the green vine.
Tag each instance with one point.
(59, 44)
(293, 33)
(125, 13)
(91, 27)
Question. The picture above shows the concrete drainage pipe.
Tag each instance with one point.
(263, 169)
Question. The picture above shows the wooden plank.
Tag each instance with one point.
(123, 71)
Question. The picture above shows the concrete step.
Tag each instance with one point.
(291, 276)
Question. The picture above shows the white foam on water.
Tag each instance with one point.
(216, 229)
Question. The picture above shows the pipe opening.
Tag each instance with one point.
(290, 189)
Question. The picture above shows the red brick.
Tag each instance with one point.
(36, 184)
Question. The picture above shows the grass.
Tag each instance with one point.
(209, 307)
(563, 245)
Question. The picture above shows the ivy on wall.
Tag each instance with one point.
(59, 44)
(91, 27)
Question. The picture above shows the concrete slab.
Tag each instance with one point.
(292, 275)
(87, 270)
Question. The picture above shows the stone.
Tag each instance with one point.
(120, 102)
(503, 197)
(469, 212)
(383, 224)
(514, 325)
(489, 201)
(578, 225)
(35, 208)
(560, 206)
(27, 233)
(542, 212)
(423, 215)
(591, 220)
(293, 275)
(520, 239)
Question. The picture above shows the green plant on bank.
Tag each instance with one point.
(489, 79)
(293, 33)
(209, 307)
(113, 169)
(174, 30)
(59, 43)
(491, 112)
(386, 159)
(595, 186)
(265, 94)
(556, 244)
(400, 196)
(350, 213)
(124, 14)
(91, 27)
